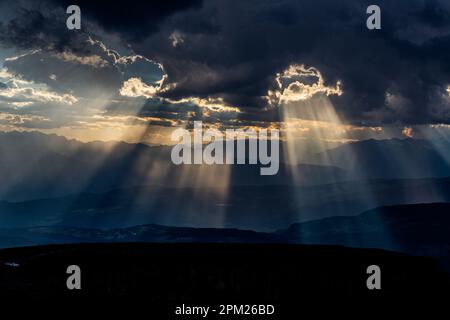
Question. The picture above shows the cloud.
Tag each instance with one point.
(95, 71)
(92, 60)
(134, 87)
(25, 121)
(19, 92)
(236, 49)
(49, 89)
(39, 30)
(299, 83)
(408, 132)
(176, 38)
(233, 62)
(212, 104)
(140, 18)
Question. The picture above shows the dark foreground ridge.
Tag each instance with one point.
(171, 274)
(419, 230)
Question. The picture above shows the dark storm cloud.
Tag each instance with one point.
(248, 42)
(233, 50)
(32, 29)
(136, 19)
(151, 108)
(43, 25)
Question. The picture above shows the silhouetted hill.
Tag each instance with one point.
(419, 229)
(166, 275)
(143, 233)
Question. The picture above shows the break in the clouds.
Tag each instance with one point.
(228, 63)
(58, 81)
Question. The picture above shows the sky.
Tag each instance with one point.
(309, 68)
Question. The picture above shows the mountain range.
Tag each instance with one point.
(248, 207)
(56, 190)
(393, 158)
(35, 165)
(420, 229)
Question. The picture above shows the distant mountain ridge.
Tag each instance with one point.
(52, 181)
(419, 229)
(34, 165)
(207, 207)
(393, 158)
